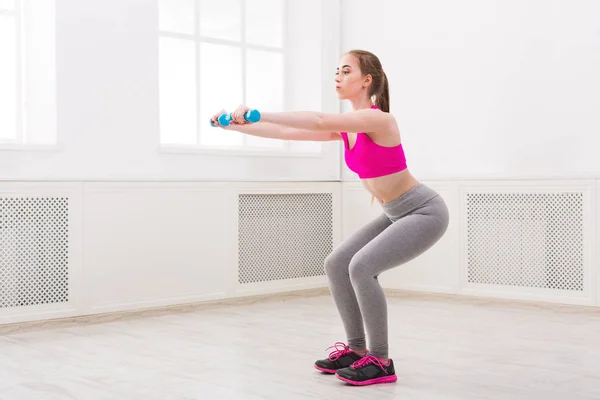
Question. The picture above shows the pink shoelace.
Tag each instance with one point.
(341, 349)
(369, 360)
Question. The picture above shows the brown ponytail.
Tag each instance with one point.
(383, 99)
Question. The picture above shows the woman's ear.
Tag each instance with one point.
(368, 80)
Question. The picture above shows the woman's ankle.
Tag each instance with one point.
(361, 352)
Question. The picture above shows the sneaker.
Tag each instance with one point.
(341, 357)
(367, 371)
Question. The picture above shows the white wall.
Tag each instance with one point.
(138, 238)
(134, 245)
(107, 88)
(488, 88)
(444, 96)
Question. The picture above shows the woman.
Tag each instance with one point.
(414, 216)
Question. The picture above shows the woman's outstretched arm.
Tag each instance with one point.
(274, 131)
(367, 120)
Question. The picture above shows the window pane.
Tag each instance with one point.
(220, 88)
(39, 72)
(221, 19)
(7, 4)
(264, 22)
(264, 85)
(8, 79)
(176, 16)
(177, 91)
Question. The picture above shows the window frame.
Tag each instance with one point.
(19, 143)
(17, 14)
(244, 149)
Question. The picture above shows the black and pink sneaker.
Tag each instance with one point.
(341, 357)
(367, 371)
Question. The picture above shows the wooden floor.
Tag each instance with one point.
(443, 348)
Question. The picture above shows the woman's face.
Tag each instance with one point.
(349, 80)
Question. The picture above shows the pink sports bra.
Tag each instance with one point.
(370, 160)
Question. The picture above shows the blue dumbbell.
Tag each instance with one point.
(250, 116)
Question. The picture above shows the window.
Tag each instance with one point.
(27, 73)
(10, 74)
(216, 55)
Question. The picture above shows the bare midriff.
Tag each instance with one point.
(389, 187)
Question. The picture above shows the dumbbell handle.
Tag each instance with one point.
(250, 116)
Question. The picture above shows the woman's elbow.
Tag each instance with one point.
(321, 123)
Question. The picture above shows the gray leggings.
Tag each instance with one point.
(409, 225)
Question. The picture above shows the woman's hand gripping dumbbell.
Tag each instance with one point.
(242, 115)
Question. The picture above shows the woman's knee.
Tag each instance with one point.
(336, 264)
(359, 270)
